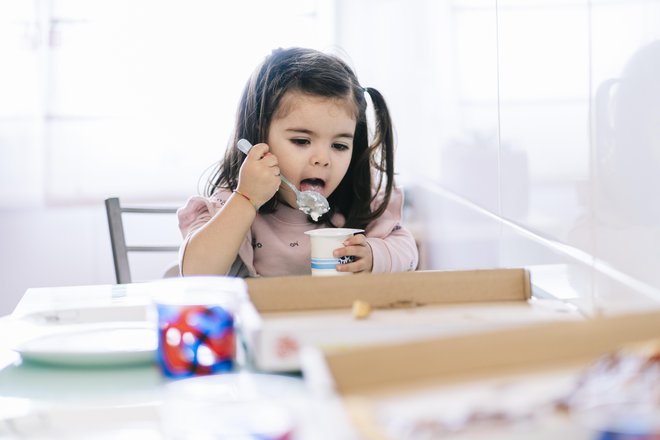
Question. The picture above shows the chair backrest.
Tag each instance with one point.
(120, 248)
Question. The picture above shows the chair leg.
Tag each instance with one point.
(118, 241)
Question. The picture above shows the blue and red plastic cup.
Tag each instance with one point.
(196, 332)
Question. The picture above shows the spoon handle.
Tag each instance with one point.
(291, 185)
(245, 146)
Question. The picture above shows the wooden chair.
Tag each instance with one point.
(121, 250)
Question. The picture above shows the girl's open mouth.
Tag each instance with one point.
(312, 185)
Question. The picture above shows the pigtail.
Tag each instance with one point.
(381, 151)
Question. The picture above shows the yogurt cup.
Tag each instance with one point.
(324, 242)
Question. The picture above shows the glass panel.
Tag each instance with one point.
(544, 114)
(473, 149)
(625, 226)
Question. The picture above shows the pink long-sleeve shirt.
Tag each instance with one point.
(277, 245)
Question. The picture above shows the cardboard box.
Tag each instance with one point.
(532, 363)
(287, 313)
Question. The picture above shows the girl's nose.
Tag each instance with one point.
(321, 157)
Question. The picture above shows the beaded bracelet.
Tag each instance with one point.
(247, 198)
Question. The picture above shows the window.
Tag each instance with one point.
(134, 99)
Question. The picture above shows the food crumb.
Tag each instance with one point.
(361, 309)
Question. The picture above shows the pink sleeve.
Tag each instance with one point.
(393, 246)
(200, 210)
(196, 213)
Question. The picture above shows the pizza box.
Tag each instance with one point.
(285, 314)
(503, 384)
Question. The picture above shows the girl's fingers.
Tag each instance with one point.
(355, 245)
(352, 267)
(355, 251)
(270, 160)
(258, 174)
(358, 248)
(263, 155)
(356, 240)
(359, 265)
(259, 151)
(272, 163)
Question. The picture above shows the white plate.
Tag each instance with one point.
(88, 315)
(101, 344)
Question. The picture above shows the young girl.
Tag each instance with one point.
(305, 113)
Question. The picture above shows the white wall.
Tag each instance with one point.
(52, 247)
(70, 246)
(529, 134)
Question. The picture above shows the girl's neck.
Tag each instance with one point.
(287, 213)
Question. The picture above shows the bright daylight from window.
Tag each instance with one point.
(130, 98)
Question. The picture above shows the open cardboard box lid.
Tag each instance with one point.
(388, 289)
(287, 313)
(364, 376)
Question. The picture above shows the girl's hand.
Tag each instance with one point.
(357, 247)
(258, 177)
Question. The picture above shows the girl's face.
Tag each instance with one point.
(312, 137)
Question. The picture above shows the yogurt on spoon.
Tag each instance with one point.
(310, 202)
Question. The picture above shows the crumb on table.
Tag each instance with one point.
(361, 309)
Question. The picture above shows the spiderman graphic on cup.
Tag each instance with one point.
(195, 340)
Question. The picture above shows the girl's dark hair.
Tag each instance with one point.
(319, 74)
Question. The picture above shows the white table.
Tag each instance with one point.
(40, 401)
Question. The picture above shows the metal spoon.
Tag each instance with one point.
(311, 203)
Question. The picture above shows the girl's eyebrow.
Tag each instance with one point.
(311, 132)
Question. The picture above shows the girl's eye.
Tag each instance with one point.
(300, 141)
(340, 147)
